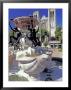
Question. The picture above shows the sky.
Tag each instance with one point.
(13, 13)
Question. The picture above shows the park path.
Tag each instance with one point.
(56, 53)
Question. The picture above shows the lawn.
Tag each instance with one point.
(17, 78)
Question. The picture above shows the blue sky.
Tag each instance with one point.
(13, 13)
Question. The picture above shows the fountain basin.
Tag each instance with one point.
(33, 65)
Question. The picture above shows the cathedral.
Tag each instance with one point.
(47, 23)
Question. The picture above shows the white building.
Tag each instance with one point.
(51, 22)
(44, 23)
(48, 23)
(36, 15)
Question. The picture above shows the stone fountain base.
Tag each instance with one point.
(32, 67)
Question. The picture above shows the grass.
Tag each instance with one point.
(17, 78)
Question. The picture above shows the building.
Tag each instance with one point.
(47, 23)
(44, 23)
(51, 22)
(36, 15)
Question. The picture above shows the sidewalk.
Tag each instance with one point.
(56, 53)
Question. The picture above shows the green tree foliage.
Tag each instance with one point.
(58, 34)
(43, 32)
(11, 33)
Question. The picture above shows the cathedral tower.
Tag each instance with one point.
(51, 22)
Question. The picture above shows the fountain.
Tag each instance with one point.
(32, 60)
(32, 63)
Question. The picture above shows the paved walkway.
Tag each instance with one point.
(56, 53)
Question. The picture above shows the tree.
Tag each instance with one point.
(43, 33)
(58, 34)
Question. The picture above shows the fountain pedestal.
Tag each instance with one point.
(31, 67)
